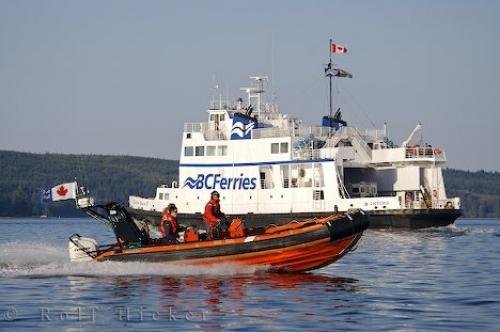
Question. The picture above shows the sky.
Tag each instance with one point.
(121, 77)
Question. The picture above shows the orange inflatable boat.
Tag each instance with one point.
(297, 246)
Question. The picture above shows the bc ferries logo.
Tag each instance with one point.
(217, 181)
(242, 126)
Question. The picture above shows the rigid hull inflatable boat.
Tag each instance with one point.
(296, 246)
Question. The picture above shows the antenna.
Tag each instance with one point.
(255, 91)
(273, 92)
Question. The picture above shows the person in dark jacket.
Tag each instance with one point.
(213, 217)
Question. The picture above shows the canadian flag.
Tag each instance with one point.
(336, 48)
(64, 191)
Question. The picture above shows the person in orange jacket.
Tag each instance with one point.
(169, 227)
(214, 218)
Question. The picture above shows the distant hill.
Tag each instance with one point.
(114, 178)
(110, 178)
(479, 191)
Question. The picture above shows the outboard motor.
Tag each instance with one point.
(82, 249)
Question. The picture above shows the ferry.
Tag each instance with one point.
(270, 167)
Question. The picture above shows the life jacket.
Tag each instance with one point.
(236, 228)
(191, 234)
(172, 222)
(212, 212)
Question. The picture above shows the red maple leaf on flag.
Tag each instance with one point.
(61, 191)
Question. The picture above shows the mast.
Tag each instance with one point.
(330, 72)
(330, 76)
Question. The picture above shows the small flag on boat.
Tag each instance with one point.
(64, 191)
(338, 49)
(46, 196)
(341, 73)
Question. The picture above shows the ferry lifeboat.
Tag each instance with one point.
(300, 245)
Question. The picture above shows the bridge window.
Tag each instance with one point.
(211, 150)
(275, 148)
(160, 196)
(279, 148)
(199, 151)
(188, 151)
(222, 150)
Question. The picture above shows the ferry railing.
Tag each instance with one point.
(271, 132)
(372, 134)
(316, 131)
(424, 152)
(194, 127)
(210, 133)
(449, 203)
(306, 153)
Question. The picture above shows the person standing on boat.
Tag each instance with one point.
(214, 218)
(169, 227)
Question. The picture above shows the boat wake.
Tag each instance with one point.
(32, 260)
(458, 230)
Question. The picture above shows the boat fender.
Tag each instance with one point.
(345, 227)
(340, 228)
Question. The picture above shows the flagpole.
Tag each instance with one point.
(330, 76)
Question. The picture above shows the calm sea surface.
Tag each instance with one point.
(436, 279)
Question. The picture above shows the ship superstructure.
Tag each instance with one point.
(267, 164)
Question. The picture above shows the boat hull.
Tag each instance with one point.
(402, 218)
(413, 218)
(291, 250)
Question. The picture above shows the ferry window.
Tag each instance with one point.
(160, 196)
(211, 150)
(188, 151)
(275, 148)
(199, 151)
(222, 150)
(188, 135)
(284, 147)
(212, 117)
(221, 117)
(166, 196)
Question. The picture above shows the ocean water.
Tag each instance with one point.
(444, 279)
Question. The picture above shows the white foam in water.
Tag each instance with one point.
(18, 259)
(31, 254)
